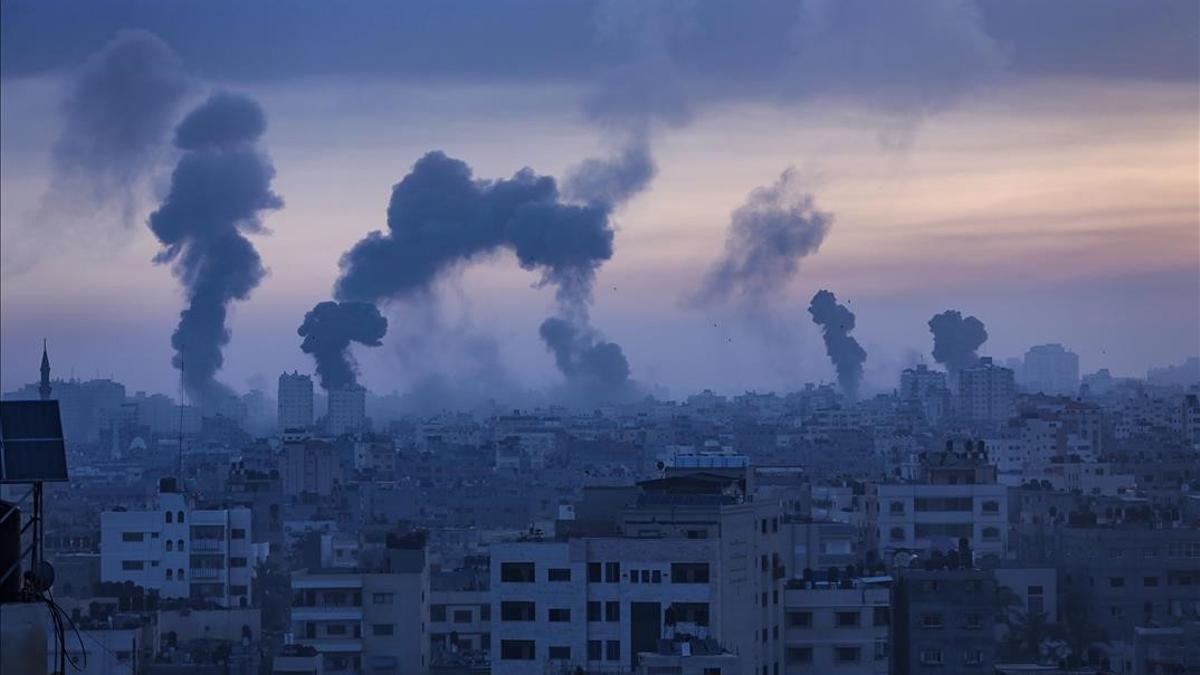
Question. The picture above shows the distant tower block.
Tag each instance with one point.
(44, 387)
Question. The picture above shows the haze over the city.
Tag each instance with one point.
(1031, 164)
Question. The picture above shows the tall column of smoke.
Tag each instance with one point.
(837, 322)
(218, 189)
(956, 340)
(441, 218)
(328, 330)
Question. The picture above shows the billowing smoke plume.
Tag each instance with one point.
(441, 218)
(768, 236)
(117, 113)
(611, 181)
(956, 340)
(328, 330)
(218, 189)
(595, 369)
(837, 322)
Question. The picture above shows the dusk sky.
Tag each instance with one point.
(1034, 164)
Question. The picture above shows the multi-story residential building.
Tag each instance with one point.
(986, 393)
(927, 390)
(944, 621)
(837, 626)
(954, 498)
(370, 620)
(347, 410)
(1051, 369)
(460, 618)
(692, 555)
(308, 465)
(295, 398)
(179, 550)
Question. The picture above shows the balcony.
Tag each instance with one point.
(327, 613)
(207, 574)
(208, 545)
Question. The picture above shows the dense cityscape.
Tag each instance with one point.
(600, 337)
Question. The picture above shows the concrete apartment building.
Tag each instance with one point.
(347, 410)
(460, 618)
(179, 550)
(838, 626)
(692, 555)
(927, 390)
(987, 393)
(370, 620)
(944, 621)
(1051, 369)
(308, 465)
(295, 399)
(955, 497)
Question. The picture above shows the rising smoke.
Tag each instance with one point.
(328, 330)
(595, 369)
(956, 340)
(837, 322)
(768, 236)
(118, 110)
(218, 189)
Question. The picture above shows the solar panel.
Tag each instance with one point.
(31, 442)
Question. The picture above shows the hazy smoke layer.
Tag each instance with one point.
(595, 370)
(218, 189)
(956, 340)
(837, 322)
(768, 235)
(328, 330)
(611, 181)
(118, 109)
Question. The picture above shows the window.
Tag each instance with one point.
(896, 508)
(335, 629)
(991, 506)
(847, 619)
(383, 629)
(239, 589)
(516, 650)
(973, 657)
(132, 565)
(847, 654)
(932, 621)
(170, 546)
(516, 572)
(485, 612)
(612, 572)
(237, 562)
(799, 654)
(991, 533)
(389, 598)
(170, 517)
(633, 576)
(612, 610)
(558, 574)
(612, 650)
(462, 616)
(973, 622)
(656, 576)
(559, 615)
(179, 517)
(170, 574)
(931, 656)
(179, 574)
(690, 573)
(517, 611)
(436, 612)
(133, 536)
(593, 573)
(799, 619)
(593, 611)
(237, 533)
(179, 545)
(881, 617)
(1116, 582)
(560, 653)
(594, 648)
(646, 577)
(896, 534)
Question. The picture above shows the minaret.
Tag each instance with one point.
(44, 387)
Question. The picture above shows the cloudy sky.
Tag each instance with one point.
(1033, 164)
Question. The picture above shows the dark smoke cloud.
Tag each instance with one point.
(611, 181)
(768, 235)
(440, 218)
(596, 370)
(837, 322)
(218, 189)
(328, 330)
(118, 109)
(956, 340)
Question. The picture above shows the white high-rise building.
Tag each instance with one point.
(347, 410)
(987, 393)
(1051, 369)
(295, 401)
(179, 550)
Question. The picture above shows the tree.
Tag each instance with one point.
(272, 593)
